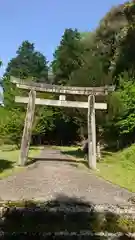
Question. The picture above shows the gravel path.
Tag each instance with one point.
(45, 180)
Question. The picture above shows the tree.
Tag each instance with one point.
(28, 64)
(106, 33)
(11, 126)
(120, 120)
(91, 73)
(123, 59)
(67, 56)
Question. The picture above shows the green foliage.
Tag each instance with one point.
(43, 121)
(126, 121)
(9, 92)
(11, 126)
(54, 126)
(67, 56)
(120, 120)
(91, 73)
(28, 64)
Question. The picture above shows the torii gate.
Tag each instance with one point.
(91, 105)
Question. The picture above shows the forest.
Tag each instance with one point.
(105, 56)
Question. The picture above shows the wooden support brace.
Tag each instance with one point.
(61, 103)
(27, 129)
(91, 132)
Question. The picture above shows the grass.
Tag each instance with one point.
(9, 156)
(118, 167)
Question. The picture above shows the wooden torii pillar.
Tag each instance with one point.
(91, 132)
(26, 137)
(62, 90)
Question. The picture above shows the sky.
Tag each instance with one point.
(43, 22)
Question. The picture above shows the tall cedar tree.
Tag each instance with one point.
(67, 56)
(28, 64)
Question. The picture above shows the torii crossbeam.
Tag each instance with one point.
(91, 92)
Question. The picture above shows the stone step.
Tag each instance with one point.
(69, 235)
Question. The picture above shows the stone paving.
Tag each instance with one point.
(45, 180)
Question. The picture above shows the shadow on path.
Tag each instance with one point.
(74, 153)
(31, 161)
(63, 214)
(5, 164)
(51, 155)
(78, 155)
(71, 162)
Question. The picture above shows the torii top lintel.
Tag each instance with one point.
(42, 87)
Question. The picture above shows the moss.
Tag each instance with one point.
(126, 224)
(19, 204)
